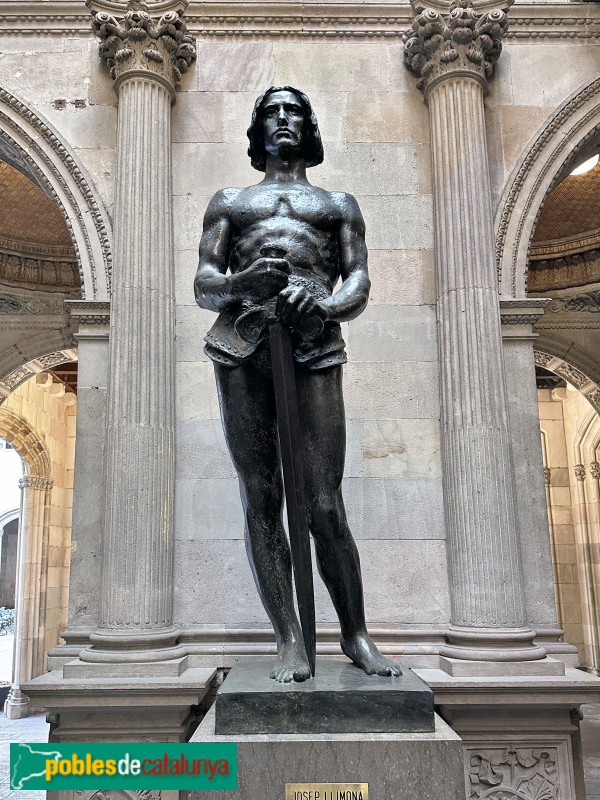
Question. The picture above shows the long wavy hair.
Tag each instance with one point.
(312, 150)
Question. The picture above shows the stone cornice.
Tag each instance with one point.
(49, 252)
(89, 312)
(562, 248)
(522, 312)
(304, 20)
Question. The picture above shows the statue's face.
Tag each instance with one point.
(283, 124)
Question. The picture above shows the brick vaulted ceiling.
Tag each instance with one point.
(565, 250)
(572, 208)
(36, 250)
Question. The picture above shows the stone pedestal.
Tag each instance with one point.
(400, 766)
(339, 699)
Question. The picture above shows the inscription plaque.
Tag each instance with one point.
(327, 791)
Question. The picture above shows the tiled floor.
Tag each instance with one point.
(35, 729)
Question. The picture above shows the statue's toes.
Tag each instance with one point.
(389, 670)
(281, 675)
(301, 674)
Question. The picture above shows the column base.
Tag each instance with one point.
(461, 668)
(17, 705)
(112, 646)
(492, 644)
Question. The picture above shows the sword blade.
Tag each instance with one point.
(290, 445)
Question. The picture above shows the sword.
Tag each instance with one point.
(290, 447)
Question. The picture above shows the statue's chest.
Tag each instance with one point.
(266, 207)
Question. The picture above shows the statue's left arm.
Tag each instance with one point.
(351, 298)
(296, 303)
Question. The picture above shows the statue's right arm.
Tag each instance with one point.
(214, 289)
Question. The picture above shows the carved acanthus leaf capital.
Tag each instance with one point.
(463, 41)
(141, 43)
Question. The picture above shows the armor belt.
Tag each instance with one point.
(239, 331)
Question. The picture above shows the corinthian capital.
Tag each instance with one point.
(461, 41)
(136, 41)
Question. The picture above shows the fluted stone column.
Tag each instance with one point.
(28, 655)
(146, 57)
(453, 55)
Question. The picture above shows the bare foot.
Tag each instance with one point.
(292, 664)
(365, 655)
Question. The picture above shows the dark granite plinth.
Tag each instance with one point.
(339, 699)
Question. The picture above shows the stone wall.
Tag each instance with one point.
(54, 421)
(375, 132)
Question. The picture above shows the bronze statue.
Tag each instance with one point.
(274, 252)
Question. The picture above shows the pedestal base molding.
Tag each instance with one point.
(126, 647)
(223, 647)
(492, 644)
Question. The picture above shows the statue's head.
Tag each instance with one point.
(304, 138)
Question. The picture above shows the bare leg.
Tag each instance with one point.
(248, 413)
(321, 407)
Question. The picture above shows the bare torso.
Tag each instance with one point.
(301, 219)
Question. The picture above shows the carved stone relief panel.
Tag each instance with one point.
(517, 771)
